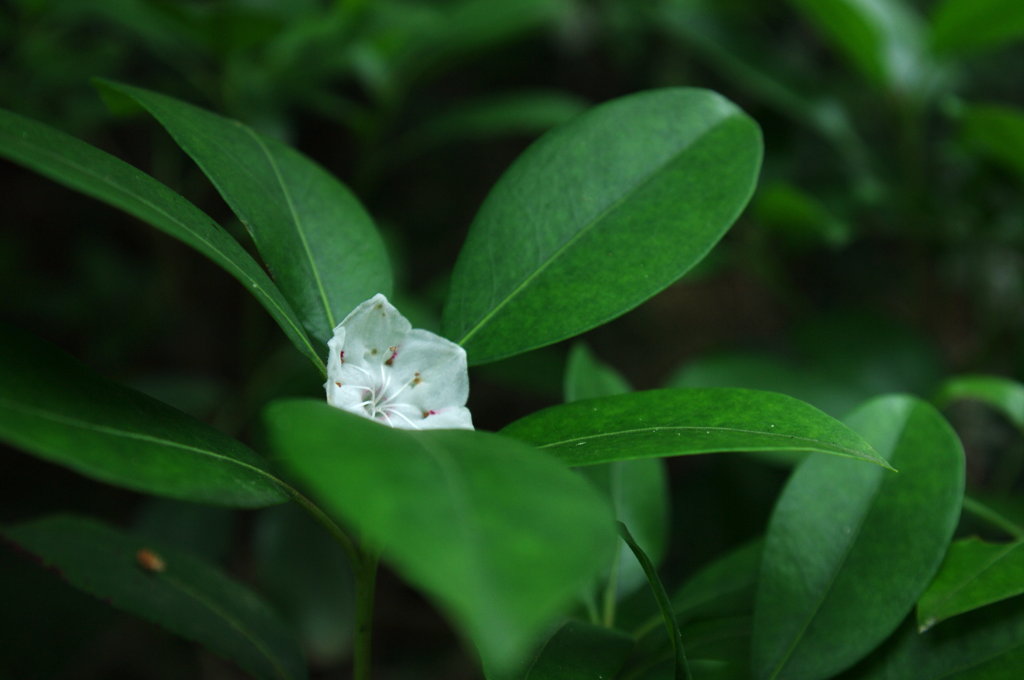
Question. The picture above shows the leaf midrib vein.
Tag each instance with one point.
(672, 428)
(297, 221)
(137, 436)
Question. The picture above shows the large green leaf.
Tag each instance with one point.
(500, 535)
(316, 238)
(183, 594)
(597, 216)
(850, 547)
(974, 574)
(676, 422)
(96, 173)
(57, 409)
(960, 26)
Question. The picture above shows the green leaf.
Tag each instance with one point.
(996, 133)
(581, 650)
(59, 410)
(974, 574)
(500, 535)
(1002, 394)
(963, 26)
(987, 644)
(677, 422)
(883, 39)
(586, 377)
(316, 238)
(597, 216)
(850, 547)
(187, 597)
(96, 173)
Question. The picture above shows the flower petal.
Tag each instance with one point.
(451, 418)
(434, 368)
(371, 329)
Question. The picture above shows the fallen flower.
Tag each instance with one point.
(382, 368)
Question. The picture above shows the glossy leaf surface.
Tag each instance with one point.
(597, 216)
(676, 422)
(185, 595)
(500, 535)
(318, 241)
(974, 574)
(849, 547)
(96, 173)
(57, 409)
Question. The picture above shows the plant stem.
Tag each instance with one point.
(354, 554)
(366, 581)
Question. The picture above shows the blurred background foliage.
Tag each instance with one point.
(883, 251)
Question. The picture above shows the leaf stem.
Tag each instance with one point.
(987, 514)
(366, 581)
(611, 591)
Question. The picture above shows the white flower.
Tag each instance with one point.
(381, 368)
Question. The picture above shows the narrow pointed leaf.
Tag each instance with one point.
(682, 421)
(57, 409)
(167, 587)
(664, 604)
(96, 173)
(499, 535)
(597, 216)
(317, 239)
(850, 547)
(974, 574)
